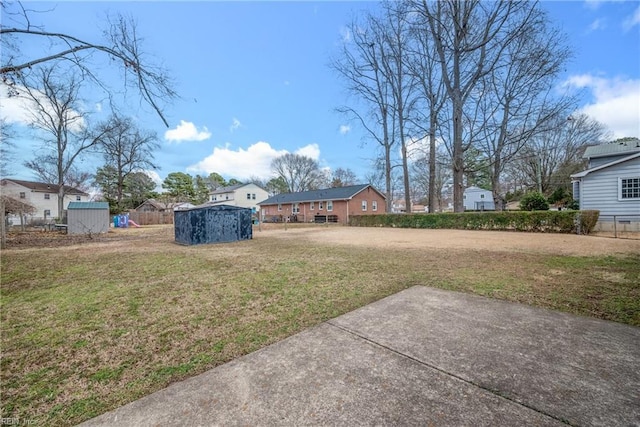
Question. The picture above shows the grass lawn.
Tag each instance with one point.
(89, 327)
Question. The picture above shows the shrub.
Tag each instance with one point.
(540, 221)
(534, 201)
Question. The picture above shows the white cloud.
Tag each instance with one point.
(244, 164)
(98, 107)
(632, 20)
(345, 129)
(311, 150)
(598, 24)
(187, 131)
(616, 102)
(235, 124)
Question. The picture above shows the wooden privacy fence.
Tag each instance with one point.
(151, 218)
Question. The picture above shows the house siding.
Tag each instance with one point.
(473, 197)
(36, 198)
(238, 197)
(594, 162)
(599, 190)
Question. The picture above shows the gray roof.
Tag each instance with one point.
(228, 189)
(88, 205)
(338, 193)
(625, 146)
(46, 188)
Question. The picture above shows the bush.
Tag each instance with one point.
(534, 201)
(581, 222)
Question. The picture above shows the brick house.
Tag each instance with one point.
(326, 205)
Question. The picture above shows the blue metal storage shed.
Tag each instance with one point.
(212, 224)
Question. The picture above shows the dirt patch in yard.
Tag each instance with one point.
(155, 237)
(496, 241)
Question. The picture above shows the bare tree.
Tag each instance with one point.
(126, 148)
(470, 38)
(360, 66)
(122, 45)
(57, 115)
(516, 100)
(300, 173)
(551, 156)
(343, 178)
(6, 158)
(430, 97)
(394, 29)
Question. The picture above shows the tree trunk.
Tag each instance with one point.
(432, 160)
(458, 159)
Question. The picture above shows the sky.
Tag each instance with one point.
(254, 79)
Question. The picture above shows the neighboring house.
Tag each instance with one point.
(241, 195)
(152, 205)
(478, 199)
(611, 182)
(43, 197)
(332, 204)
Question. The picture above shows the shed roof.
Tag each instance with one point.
(88, 205)
(624, 146)
(338, 193)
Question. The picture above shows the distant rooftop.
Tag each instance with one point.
(623, 146)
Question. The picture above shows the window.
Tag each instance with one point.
(226, 197)
(279, 207)
(364, 206)
(629, 188)
(374, 205)
(482, 196)
(23, 195)
(319, 206)
(312, 206)
(253, 196)
(330, 206)
(47, 196)
(295, 208)
(78, 198)
(248, 196)
(47, 213)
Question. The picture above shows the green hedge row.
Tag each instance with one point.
(577, 222)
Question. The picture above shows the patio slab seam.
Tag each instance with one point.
(496, 393)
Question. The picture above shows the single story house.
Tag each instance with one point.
(152, 205)
(611, 182)
(241, 195)
(330, 204)
(41, 196)
(478, 199)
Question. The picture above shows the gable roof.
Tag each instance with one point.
(41, 187)
(631, 145)
(337, 193)
(232, 188)
(606, 165)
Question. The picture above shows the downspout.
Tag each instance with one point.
(348, 200)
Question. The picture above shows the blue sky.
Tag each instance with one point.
(254, 81)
